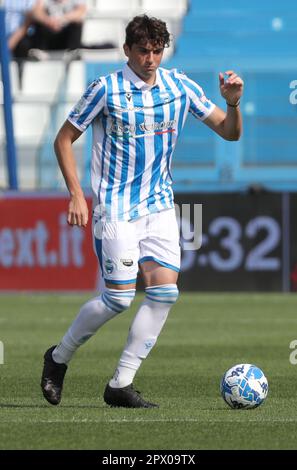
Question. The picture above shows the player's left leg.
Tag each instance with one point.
(159, 267)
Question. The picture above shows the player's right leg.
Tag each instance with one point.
(118, 258)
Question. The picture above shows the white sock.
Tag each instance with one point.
(145, 329)
(90, 318)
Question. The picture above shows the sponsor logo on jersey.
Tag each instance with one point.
(129, 108)
(117, 128)
(164, 96)
(157, 126)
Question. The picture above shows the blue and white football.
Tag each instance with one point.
(244, 386)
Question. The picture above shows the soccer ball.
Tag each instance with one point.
(244, 386)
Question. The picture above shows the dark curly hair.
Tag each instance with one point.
(142, 29)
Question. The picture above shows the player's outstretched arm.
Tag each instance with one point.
(228, 124)
(78, 209)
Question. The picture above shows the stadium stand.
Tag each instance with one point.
(113, 8)
(254, 38)
(101, 31)
(228, 21)
(41, 81)
(51, 87)
(257, 40)
(76, 81)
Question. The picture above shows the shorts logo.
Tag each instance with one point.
(108, 266)
(127, 262)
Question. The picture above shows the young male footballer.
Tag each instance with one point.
(137, 115)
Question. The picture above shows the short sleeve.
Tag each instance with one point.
(90, 105)
(200, 106)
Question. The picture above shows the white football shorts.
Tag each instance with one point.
(122, 245)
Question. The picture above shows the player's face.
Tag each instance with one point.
(144, 59)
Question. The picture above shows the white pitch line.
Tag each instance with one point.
(140, 420)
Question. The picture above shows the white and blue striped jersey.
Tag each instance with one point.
(135, 130)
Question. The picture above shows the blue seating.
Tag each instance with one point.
(269, 92)
(216, 6)
(270, 142)
(258, 39)
(236, 44)
(194, 151)
(225, 22)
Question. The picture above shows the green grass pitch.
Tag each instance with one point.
(205, 334)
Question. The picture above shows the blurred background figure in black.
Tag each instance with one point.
(57, 26)
(18, 19)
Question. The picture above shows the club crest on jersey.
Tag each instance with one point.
(165, 97)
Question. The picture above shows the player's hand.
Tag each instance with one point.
(55, 24)
(231, 87)
(78, 211)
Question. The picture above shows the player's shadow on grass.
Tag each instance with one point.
(45, 405)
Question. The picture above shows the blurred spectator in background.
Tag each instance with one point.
(18, 18)
(58, 25)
